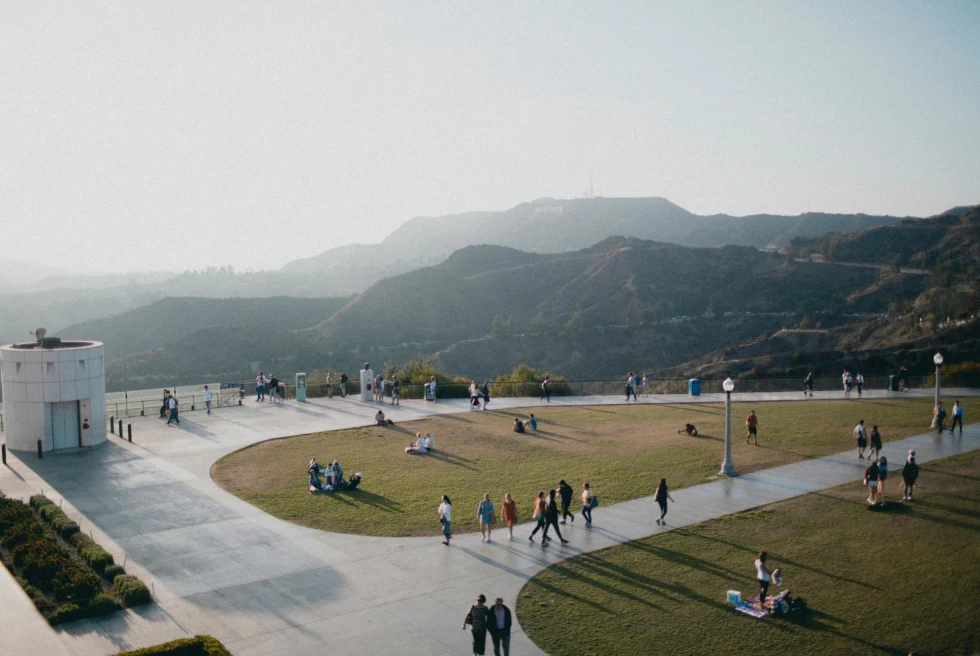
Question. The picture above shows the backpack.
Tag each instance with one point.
(594, 503)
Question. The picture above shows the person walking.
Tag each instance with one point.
(752, 428)
(486, 393)
(644, 384)
(859, 379)
(500, 623)
(882, 477)
(587, 503)
(871, 481)
(485, 512)
(661, 495)
(630, 390)
(260, 387)
(939, 417)
(379, 388)
(762, 574)
(432, 389)
(173, 411)
(538, 516)
(910, 473)
(474, 391)
(343, 384)
(478, 618)
(396, 391)
(862, 439)
(566, 493)
(273, 388)
(808, 385)
(510, 514)
(165, 408)
(875, 443)
(546, 390)
(446, 519)
(207, 398)
(551, 519)
(957, 417)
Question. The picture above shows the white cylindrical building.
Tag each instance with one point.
(53, 391)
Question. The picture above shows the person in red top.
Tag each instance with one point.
(538, 516)
(510, 514)
(752, 428)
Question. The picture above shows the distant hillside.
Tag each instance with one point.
(549, 225)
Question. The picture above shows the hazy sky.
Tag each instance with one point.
(172, 135)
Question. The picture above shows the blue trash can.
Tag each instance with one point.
(694, 387)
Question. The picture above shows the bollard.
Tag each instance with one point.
(112, 424)
(129, 431)
(120, 428)
(4, 447)
(40, 452)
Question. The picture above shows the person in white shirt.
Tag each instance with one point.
(429, 442)
(762, 573)
(173, 410)
(260, 381)
(862, 439)
(446, 519)
(418, 446)
(207, 398)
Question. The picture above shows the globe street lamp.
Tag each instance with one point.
(938, 361)
(728, 467)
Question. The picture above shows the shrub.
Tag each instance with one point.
(67, 529)
(131, 590)
(200, 645)
(100, 604)
(39, 500)
(65, 613)
(12, 512)
(73, 583)
(40, 561)
(112, 571)
(21, 532)
(97, 557)
(525, 381)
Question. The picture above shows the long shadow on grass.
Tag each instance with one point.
(450, 459)
(362, 496)
(692, 408)
(573, 574)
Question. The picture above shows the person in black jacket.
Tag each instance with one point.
(910, 472)
(566, 493)
(478, 618)
(500, 622)
(551, 520)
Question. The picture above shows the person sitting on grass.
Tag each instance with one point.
(518, 425)
(418, 446)
(381, 421)
(355, 480)
(429, 442)
(532, 422)
(314, 467)
(690, 429)
(315, 485)
(338, 473)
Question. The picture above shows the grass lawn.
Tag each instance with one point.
(621, 450)
(875, 583)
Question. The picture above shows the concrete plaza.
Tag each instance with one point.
(263, 586)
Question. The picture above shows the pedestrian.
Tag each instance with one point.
(939, 417)
(538, 516)
(752, 428)
(910, 472)
(479, 619)
(546, 389)
(328, 383)
(486, 394)
(808, 385)
(487, 516)
(379, 388)
(551, 519)
(644, 383)
(165, 408)
(661, 495)
(846, 379)
(343, 384)
(431, 396)
(859, 379)
(500, 623)
(207, 398)
(762, 573)
(396, 391)
(474, 391)
(882, 477)
(510, 514)
(957, 417)
(173, 410)
(630, 391)
(446, 519)
(587, 504)
(637, 379)
(260, 387)
(273, 388)
(875, 443)
(871, 481)
(903, 377)
(862, 439)
(566, 493)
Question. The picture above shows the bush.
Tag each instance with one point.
(101, 604)
(131, 590)
(21, 532)
(12, 512)
(73, 583)
(67, 529)
(65, 613)
(40, 561)
(97, 557)
(112, 571)
(200, 645)
(525, 381)
(39, 500)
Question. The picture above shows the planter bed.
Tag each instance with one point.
(66, 573)
(201, 645)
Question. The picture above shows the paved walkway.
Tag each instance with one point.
(263, 586)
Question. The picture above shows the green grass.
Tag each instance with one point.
(623, 451)
(876, 583)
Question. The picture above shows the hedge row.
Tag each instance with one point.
(62, 588)
(200, 645)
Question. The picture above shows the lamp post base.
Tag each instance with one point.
(727, 469)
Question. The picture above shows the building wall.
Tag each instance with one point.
(34, 378)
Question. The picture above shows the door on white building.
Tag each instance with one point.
(64, 425)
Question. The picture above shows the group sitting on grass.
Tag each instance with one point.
(421, 445)
(333, 478)
(530, 422)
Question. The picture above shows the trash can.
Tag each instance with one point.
(893, 383)
(301, 387)
(694, 387)
(429, 396)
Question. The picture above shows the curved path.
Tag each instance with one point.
(263, 586)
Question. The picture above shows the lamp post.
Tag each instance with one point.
(728, 467)
(938, 361)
